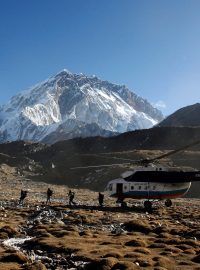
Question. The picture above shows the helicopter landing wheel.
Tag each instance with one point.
(168, 203)
(148, 205)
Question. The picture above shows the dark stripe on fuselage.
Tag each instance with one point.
(152, 194)
(163, 176)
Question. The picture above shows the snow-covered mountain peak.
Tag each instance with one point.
(67, 71)
(73, 102)
(63, 72)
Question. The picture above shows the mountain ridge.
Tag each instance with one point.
(42, 109)
(184, 117)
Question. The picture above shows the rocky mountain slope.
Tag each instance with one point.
(69, 105)
(184, 117)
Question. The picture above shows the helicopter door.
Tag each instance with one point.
(119, 190)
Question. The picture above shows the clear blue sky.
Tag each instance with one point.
(151, 46)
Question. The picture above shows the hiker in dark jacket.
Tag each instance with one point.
(71, 195)
(49, 194)
(101, 198)
(23, 195)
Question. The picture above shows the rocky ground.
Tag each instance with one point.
(37, 236)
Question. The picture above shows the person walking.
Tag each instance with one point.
(101, 199)
(71, 195)
(23, 195)
(49, 194)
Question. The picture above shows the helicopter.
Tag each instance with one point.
(150, 181)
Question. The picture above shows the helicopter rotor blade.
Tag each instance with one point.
(172, 152)
(118, 158)
(99, 166)
(136, 162)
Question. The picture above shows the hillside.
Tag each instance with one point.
(184, 117)
(53, 163)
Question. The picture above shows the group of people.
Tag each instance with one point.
(71, 196)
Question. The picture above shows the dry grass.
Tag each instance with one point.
(160, 240)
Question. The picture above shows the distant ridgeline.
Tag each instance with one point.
(185, 117)
(157, 138)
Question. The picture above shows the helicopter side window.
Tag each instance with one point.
(110, 187)
(125, 187)
(132, 187)
(139, 187)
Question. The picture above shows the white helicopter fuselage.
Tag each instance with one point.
(125, 187)
(122, 189)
